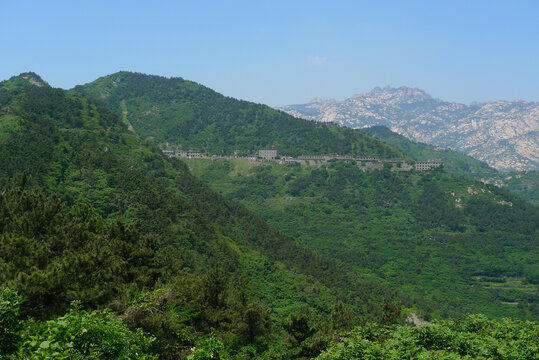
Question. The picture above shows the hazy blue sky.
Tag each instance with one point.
(283, 52)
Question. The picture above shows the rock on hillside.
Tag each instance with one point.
(24, 80)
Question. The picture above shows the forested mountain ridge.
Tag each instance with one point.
(24, 81)
(524, 184)
(503, 134)
(91, 212)
(172, 112)
(264, 192)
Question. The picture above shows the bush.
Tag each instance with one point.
(85, 335)
(10, 305)
(474, 338)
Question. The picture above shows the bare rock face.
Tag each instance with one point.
(504, 134)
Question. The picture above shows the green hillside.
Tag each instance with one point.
(446, 239)
(108, 249)
(474, 338)
(325, 214)
(24, 81)
(522, 184)
(177, 113)
(91, 212)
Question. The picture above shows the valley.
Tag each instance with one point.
(425, 233)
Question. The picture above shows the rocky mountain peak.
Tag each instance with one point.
(317, 100)
(501, 133)
(389, 94)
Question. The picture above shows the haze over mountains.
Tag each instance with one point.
(504, 134)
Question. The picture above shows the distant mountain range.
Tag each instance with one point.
(504, 134)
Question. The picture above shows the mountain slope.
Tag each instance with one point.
(75, 148)
(523, 184)
(450, 240)
(265, 193)
(24, 81)
(179, 113)
(91, 212)
(503, 134)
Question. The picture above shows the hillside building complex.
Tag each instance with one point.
(268, 154)
(426, 165)
(365, 162)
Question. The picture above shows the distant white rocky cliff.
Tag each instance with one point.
(504, 134)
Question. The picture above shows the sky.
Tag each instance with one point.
(283, 52)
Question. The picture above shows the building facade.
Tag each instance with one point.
(426, 165)
(268, 153)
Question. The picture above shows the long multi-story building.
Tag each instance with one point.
(268, 153)
(426, 165)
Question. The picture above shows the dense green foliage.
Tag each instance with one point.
(119, 175)
(10, 310)
(185, 114)
(474, 338)
(456, 242)
(81, 334)
(55, 255)
(24, 81)
(78, 334)
(91, 212)
(522, 184)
